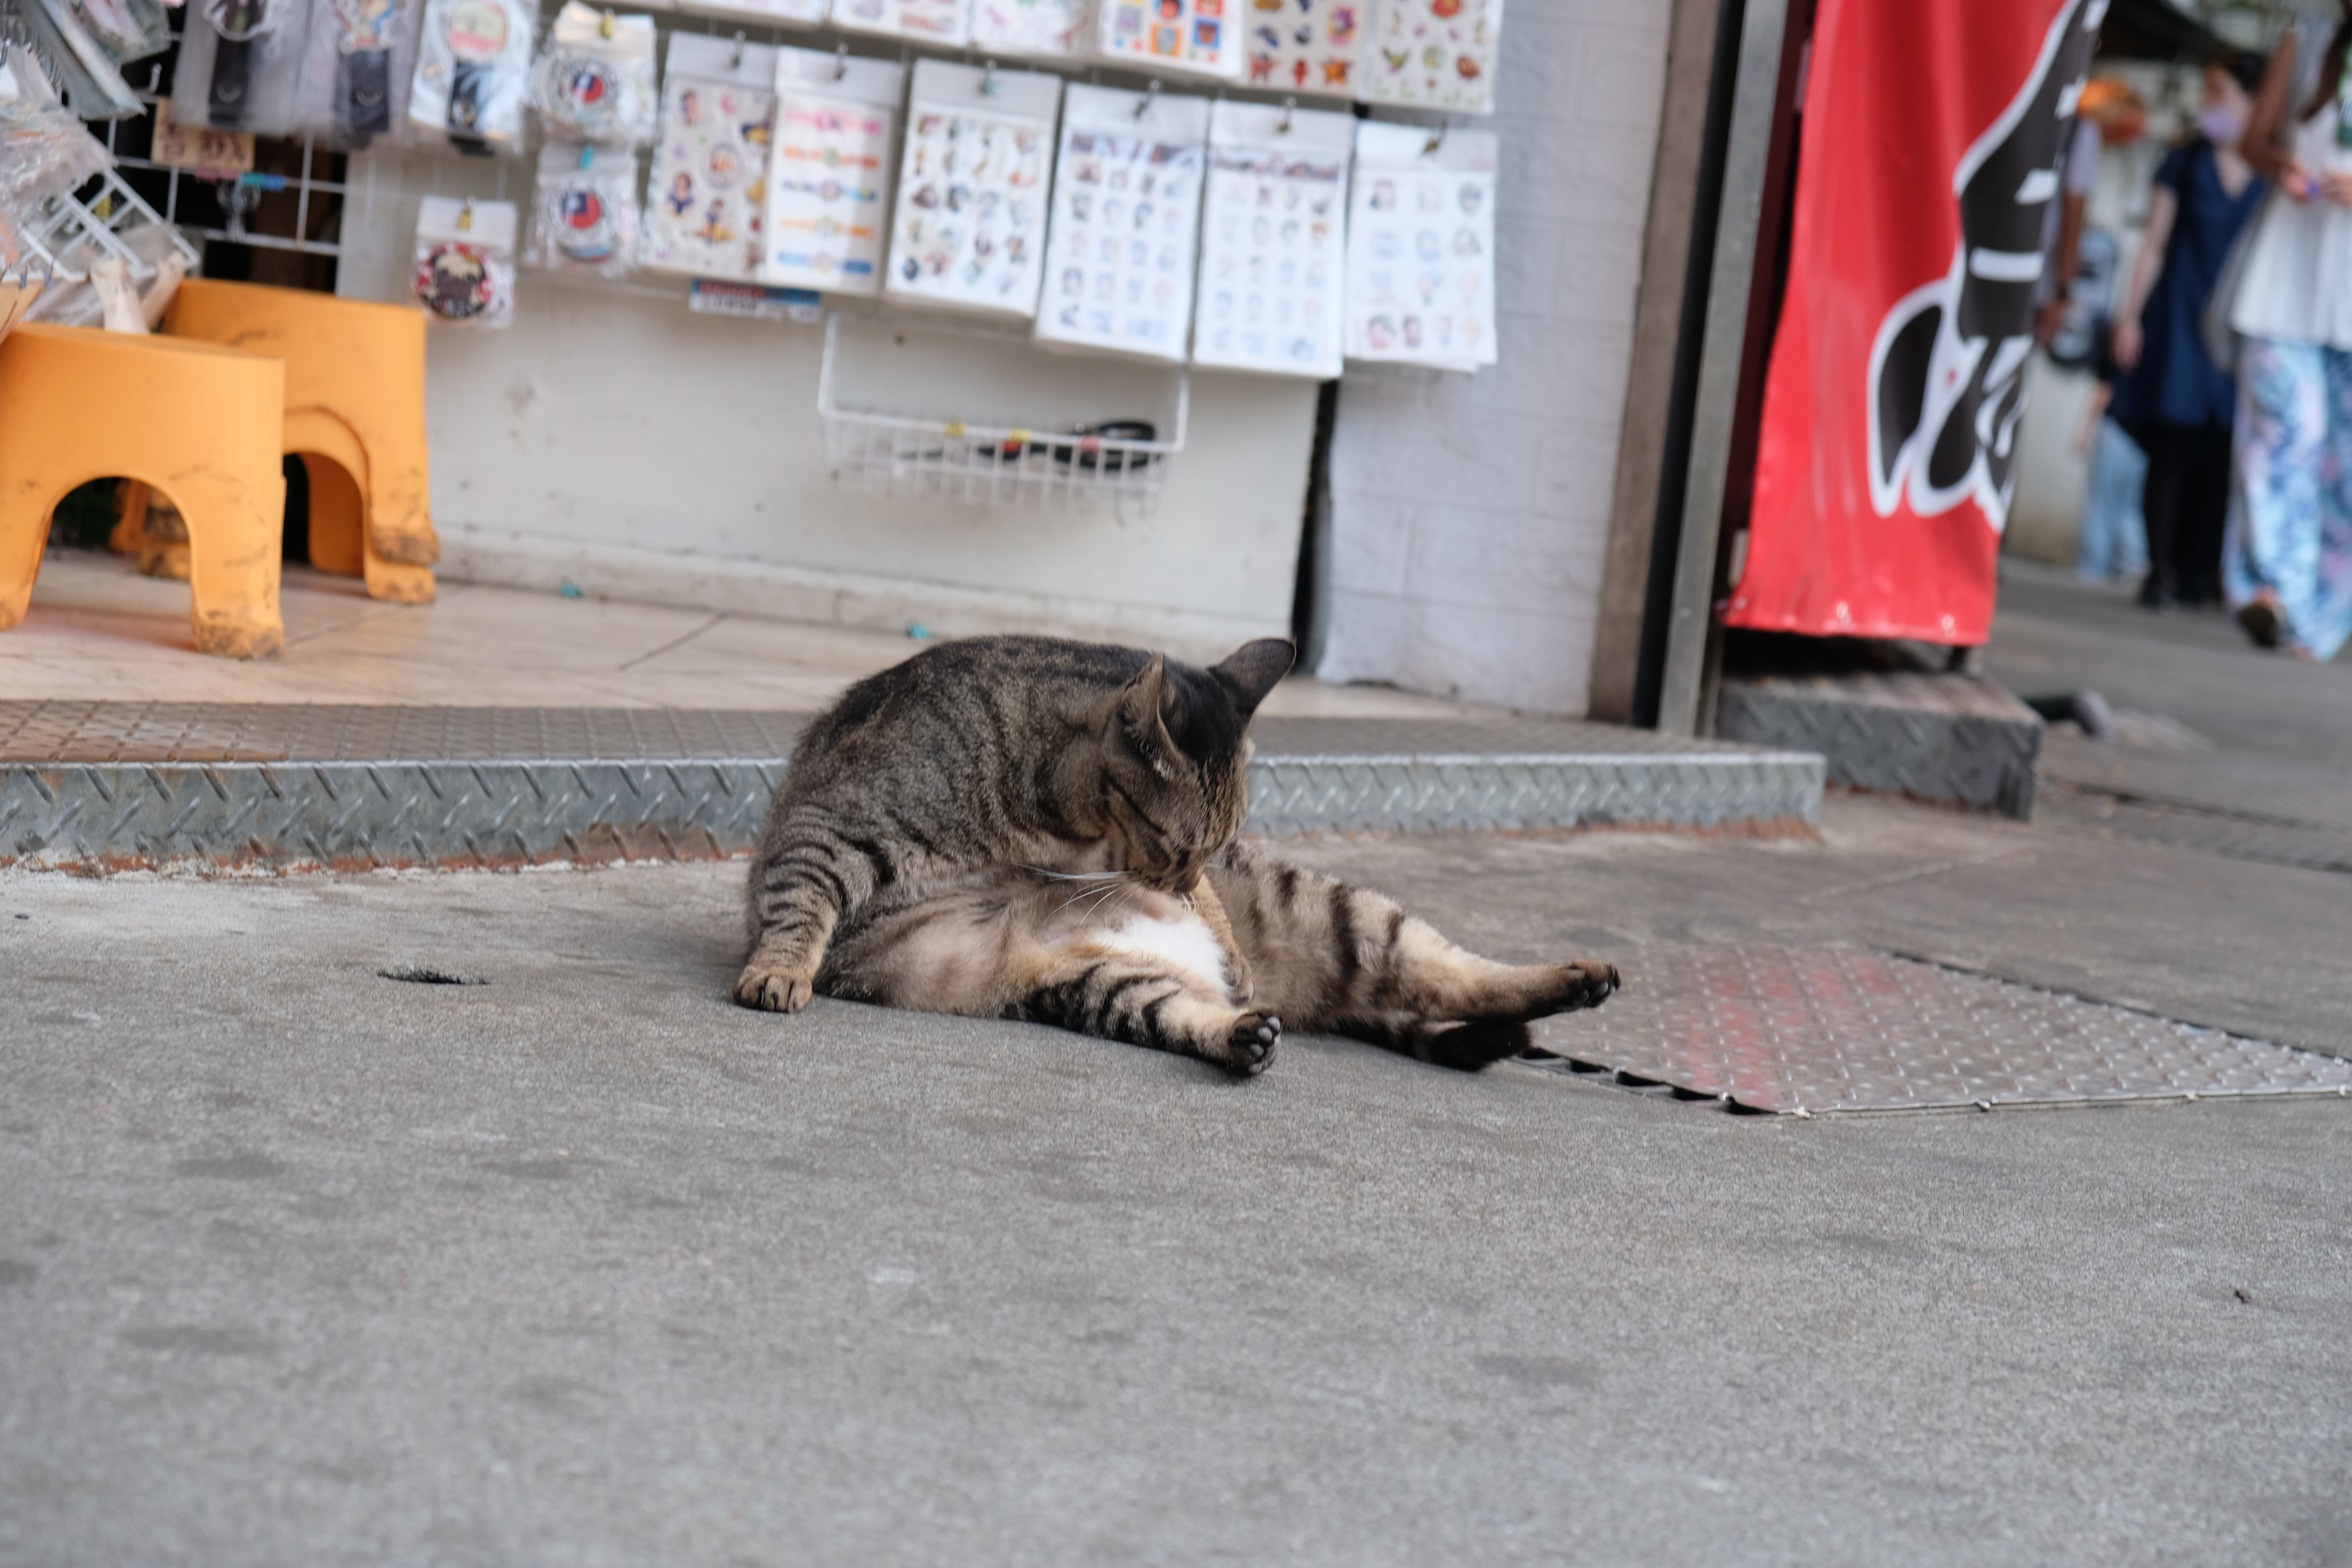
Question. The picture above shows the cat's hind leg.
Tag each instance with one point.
(1131, 997)
(1328, 956)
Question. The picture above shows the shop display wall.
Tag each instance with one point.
(1470, 514)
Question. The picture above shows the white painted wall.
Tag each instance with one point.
(614, 440)
(1470, 514)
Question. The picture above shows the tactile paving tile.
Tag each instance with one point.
(1806, 1029)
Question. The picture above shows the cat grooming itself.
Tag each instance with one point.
(1027, 828)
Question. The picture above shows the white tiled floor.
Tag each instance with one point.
(99, 631)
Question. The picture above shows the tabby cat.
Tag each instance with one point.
(1025, 828)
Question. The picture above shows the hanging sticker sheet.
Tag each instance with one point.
(1305, 46)
(925, 21)
(1042, 29)
(1421, 247)
(970, 226)
(1198, 35)
(1274, 264)
(1127, 210)
(704, 205)
(1432, 54)
(828, 179)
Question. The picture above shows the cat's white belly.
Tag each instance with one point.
(1185, 942)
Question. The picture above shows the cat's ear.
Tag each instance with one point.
(1143, 706)
(1253, 669)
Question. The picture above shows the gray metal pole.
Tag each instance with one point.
(1745, 161)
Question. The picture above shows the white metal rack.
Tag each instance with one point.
(998, 461)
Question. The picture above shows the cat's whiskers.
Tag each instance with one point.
(1076, 875)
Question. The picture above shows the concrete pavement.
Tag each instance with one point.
(583, 1265)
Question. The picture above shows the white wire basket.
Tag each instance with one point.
(1093, 432)
(66, 238)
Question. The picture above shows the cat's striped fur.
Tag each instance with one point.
(1025, 828)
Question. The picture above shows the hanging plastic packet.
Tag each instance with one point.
(1274, 239)
(473, 64)
(594, 81)
(240, 62)
(126, 29)
(968, 227)
(1040, 29)
(358, 50)
(584, 210)
(1197, 37)
(1421, 247)
(1126, 213)
(45, 151)
(1432, 54)
(1311, 48)
(943, 22)
(705, 201)
(466, 261)
(94, 86)
(829, 180)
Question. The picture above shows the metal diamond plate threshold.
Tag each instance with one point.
(1797, 1030)
(121, 786)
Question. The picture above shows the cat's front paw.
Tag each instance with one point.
(773, 990)
(1250, 1046)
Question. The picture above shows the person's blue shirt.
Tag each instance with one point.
(2175, 382)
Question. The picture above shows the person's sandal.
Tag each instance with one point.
(2262, 622)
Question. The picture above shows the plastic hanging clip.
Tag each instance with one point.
(840, 61)
(1289, 104)
(735, 55)
(466, 215)
(1150, 96)
(988, 81)
(605, 26)
(588, 156)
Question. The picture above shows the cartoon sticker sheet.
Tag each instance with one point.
(1045, 30)
(704, 205)
(1127, 209)
(927, 21)
(1305, 46)
(970, 226)
(1432, 54)
(1274, 272)
(1172, 35)
(828, 178)
(1421, 247)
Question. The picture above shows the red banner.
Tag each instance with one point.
(1932, 130)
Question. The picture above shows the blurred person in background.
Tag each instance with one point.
(2289, 553)
(2078, 331)
(2113, 540)
(2171, 396)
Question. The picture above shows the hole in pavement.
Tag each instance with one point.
(420, 974)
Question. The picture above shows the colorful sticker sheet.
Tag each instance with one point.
(1306, 46)
(1127, 211)
(970, 225)
(1421, 247)
(705, 204)
(944, 22)
(1196, 35)
(1274, 265)
(1432, 54)
(828, 180)
(1041, 29)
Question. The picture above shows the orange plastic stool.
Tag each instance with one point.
(354, 401)
(198, 422)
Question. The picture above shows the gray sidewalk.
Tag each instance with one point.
(585, 1265)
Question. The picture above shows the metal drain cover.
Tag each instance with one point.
(1792, 1029)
